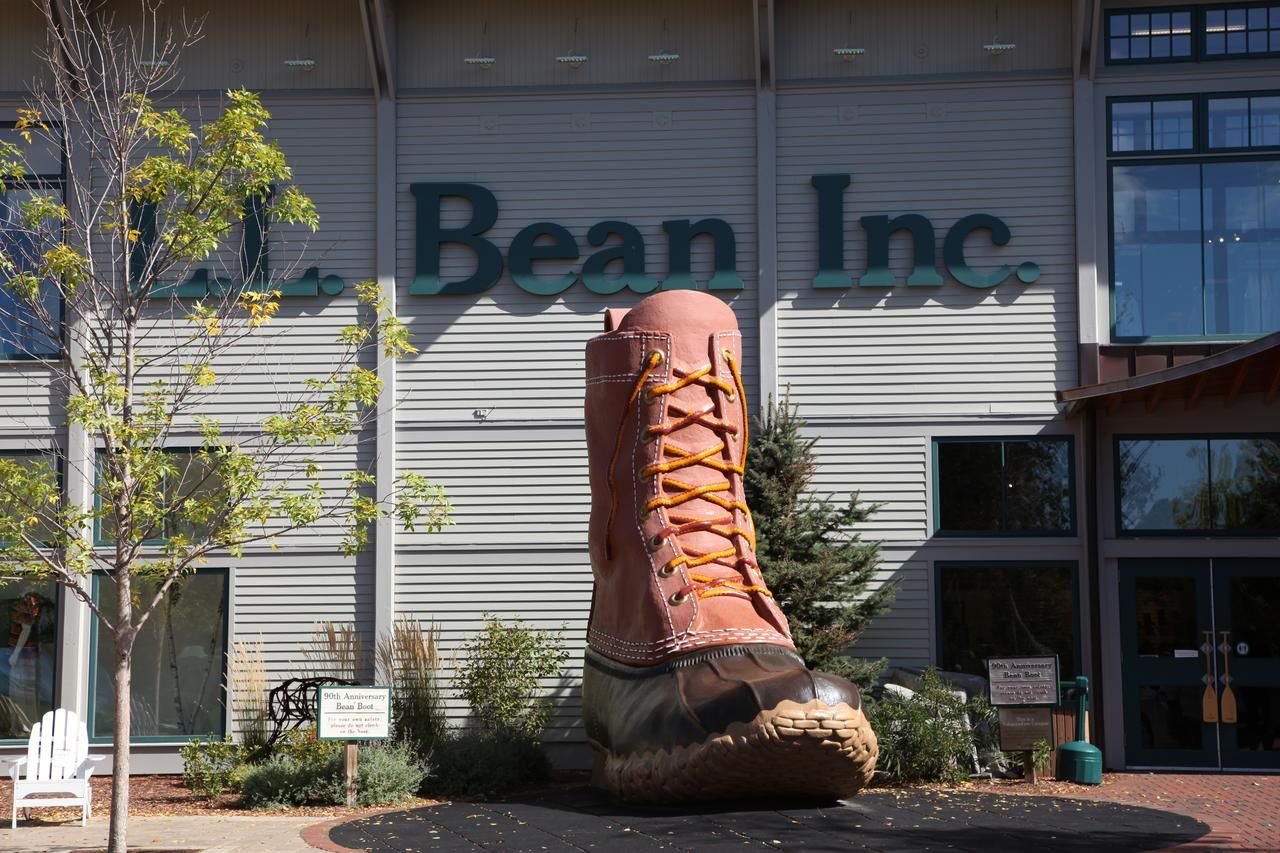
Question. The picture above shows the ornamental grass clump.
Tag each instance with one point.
(411, 655)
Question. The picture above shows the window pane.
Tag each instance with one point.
(1119, 48)
(1038, 486)
(1215, 43)
(22, 332)
(178, 662)
(1257, 19)
(1139, 48)
(1131, 126)
(1242, 247)
(29, 628)
(1182, 45)
(1164, 484)
(1171, 125)
(1264, 122)
(1156, 234)
(42, 156)
(1246, 483)
(1013, 610)
(1119, 25)
(1165, 613)
(969, 485)
(1228, 122)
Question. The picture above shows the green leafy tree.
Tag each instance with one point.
(816, 564)
(86, 275)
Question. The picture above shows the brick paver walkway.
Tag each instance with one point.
(1242, 809)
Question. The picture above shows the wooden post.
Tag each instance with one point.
(1029, 767)
(352, 771)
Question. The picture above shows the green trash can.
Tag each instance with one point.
(1079, 760)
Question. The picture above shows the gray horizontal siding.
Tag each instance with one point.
(29, 400)
(888, 470)
(904, 634)
(921, 37)
(712, 37)
(943, 151)
(573, 161)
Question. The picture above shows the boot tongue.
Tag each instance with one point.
(692, 319)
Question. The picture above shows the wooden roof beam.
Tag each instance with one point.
(1113, 403)
(378, 35)
(1193, 396)
(1153, 396)
(1237, 382)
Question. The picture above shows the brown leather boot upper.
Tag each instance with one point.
(672, 543)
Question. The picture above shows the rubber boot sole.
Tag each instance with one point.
(804, 751)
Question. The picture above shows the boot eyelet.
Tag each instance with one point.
(727, 353)
(731, 396)
(655, 542)
(666, 571)
(677, 599)
(657, 354)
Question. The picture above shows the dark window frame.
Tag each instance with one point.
(1199, 34)
(1073, 566)
(38, 181)
(1174, 533)
(1199, 155)
(943, 532)
(223, 714)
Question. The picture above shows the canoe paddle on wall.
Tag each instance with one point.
(1228, 695)
(1209, 701)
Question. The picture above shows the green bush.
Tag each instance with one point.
(210, 767)
(486, 763)
(387, 773)
(306, 771)
(928, 737)
(502, 670)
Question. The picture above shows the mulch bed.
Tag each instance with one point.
(165, 796)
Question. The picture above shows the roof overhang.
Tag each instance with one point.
(1247, 368)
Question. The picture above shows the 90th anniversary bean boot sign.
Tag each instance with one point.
(692, 688)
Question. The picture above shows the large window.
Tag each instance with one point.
(1188, 33)
(22, 333)
(1005, 609)
(1200, 485)
(28, 654)
(193, 475)
(1195, 216)
(1012, 486)
(178, 662)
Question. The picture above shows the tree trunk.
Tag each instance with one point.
(117, 838)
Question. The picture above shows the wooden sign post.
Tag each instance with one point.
(353, 714)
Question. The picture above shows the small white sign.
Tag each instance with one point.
(353, 713)
(1023, 681)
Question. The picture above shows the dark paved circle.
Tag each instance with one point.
(581, 818)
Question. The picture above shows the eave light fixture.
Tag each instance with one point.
(664, 58)
(573, 60)
(303, 64)
(847, 53)
(480, 61)
(998, 47)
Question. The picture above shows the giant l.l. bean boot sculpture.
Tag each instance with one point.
(692, 688)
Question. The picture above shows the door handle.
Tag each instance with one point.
(1209, 700)
(1228, 695)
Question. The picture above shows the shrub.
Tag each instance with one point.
(501, 672)
(210, 767)
(387, 773)
(281, 782)
(927, 737)
(487, 763)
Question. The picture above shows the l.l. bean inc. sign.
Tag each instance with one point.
(618, 260)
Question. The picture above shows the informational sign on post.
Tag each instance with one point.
(353, 714)
(1027, 681)
(1021, 728)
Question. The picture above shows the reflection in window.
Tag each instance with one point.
(1199, 484)
(194, 476)
(178, 662)
(1255, 614)
(1007, 610)
(1148, 35)
(22, 332)
(1241, 30)
(1242, 247)
(1004, 486)
(1170, 717)
(1244, 122)
(1165, 613)
(1152, 126)
(29, 633)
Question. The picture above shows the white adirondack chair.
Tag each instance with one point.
(57, 762)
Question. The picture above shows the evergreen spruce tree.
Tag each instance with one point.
(816, 565)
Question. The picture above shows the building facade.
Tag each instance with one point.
(1017, 262)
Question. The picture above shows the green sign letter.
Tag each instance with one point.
(831, 272)
(879, 229)
(680, 236)
(953, 253)
(431, 236)
(524, 250)
(630, 251)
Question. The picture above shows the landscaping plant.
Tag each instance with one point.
(814, 561)
(410, 659)
(211, 767)
(927, 737)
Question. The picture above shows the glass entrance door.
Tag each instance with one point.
(1201, 667)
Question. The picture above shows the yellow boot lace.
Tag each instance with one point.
(673, 492)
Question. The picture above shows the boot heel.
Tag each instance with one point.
(597, 767)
